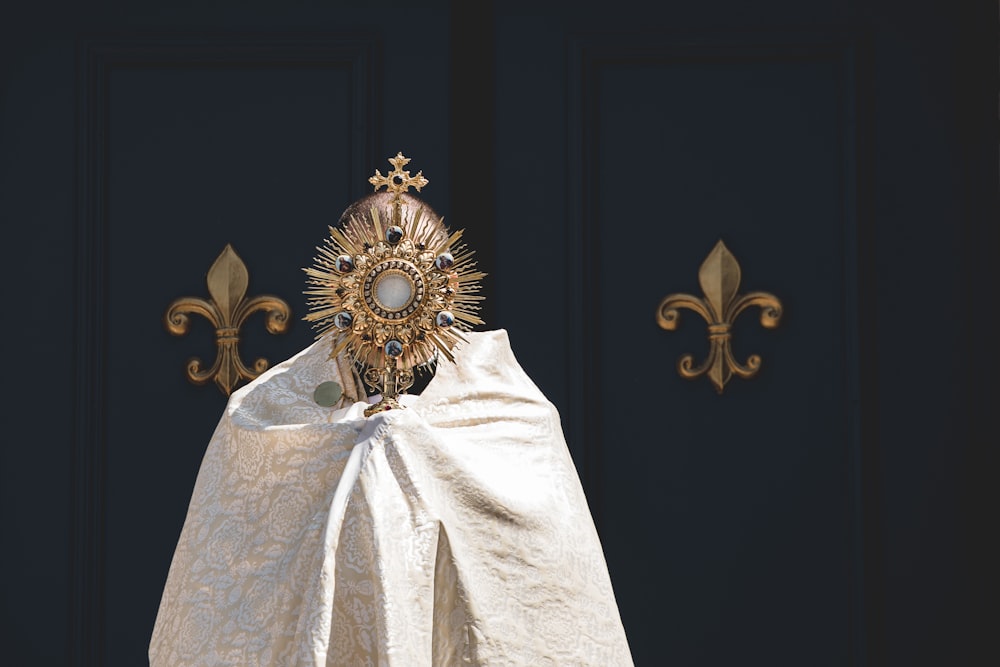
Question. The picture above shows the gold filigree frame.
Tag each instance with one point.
(399, 243)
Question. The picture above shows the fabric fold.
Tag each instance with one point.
(453, 532)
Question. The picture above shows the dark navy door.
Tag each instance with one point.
(824, 512)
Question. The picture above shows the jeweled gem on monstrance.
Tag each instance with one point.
(444, 261)
(394, 234)
(344, 264)
(445, 319)
(343, 320)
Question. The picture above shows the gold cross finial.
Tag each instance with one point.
(397, 180)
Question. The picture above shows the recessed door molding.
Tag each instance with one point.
(97, 59)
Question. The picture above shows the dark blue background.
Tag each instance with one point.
(835, 510)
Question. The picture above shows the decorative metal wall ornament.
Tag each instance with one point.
(393, 293)
(227, 311)
(720, 281)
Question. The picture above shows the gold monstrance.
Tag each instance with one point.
(392, 287)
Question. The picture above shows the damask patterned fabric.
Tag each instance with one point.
(454, 532)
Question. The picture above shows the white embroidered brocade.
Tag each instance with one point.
(454, 532)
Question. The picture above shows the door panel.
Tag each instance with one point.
(724, 517)
(190, 145)
(671, 147)
(748, 147)
(205, 156)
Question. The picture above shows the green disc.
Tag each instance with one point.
(327, 394)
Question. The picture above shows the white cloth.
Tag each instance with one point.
(454, 532)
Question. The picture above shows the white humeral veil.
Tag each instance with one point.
(454, 532)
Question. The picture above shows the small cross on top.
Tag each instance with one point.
(397, 180)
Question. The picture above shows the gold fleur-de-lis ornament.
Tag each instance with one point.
(227, 309)
(719, 277)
